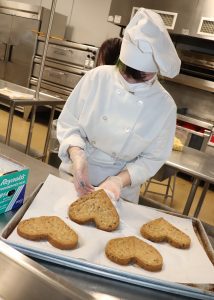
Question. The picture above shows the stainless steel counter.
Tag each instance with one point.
(22, 278)
(193, 162)
(99, 287)
(200, 166)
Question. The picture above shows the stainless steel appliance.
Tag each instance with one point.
(19, 26)
(17, 42)
(193, 90)
(66, 63)
(196, 133)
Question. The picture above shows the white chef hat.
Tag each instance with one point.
(147, 46)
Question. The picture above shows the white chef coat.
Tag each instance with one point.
(118, 129)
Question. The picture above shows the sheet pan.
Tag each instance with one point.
(199, 291)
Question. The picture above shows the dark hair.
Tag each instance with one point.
(130, 72)
(109, 52)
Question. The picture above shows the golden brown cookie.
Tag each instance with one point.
(131, 249)
(159, 230)
(50, 228)
(95, 207)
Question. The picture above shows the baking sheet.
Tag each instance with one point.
(182, 266)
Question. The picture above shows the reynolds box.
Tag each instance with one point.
(13, 180)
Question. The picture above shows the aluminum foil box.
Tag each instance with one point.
(13, 180)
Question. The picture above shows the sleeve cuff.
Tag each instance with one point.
(140, 173)
(75, 140)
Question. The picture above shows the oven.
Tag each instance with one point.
(197, 56)
(65, 64)
(195, 107)
(193, 91)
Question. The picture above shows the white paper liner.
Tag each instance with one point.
(183, 266)
(15, 95)
(8, 166)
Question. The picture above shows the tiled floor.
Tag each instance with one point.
(182, 188)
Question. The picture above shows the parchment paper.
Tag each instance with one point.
(15, 95)
(8, 166)
(182, 266)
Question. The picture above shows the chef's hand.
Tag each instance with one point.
(113, 184)
(80, 171)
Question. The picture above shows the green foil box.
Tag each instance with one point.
(13, 180)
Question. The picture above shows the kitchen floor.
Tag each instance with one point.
(181, 192)
(182, 186)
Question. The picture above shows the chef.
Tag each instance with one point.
(117, 127)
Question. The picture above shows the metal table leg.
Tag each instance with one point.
(48, 132)
(191, 196)
(30, 131)
(201, 200)
(9, 123)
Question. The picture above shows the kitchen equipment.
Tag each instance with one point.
(17, 41)
(19, 24)
(66, 63)
(196, 137)
(195, 122)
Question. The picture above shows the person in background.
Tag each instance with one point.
(117, 127)
(109, 52)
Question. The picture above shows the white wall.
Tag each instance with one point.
(88, 22)
(87, 19)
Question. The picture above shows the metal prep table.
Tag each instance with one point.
(99, 287)
(43, 100)
(22, 278)
(200, 166)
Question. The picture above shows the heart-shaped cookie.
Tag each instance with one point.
(159, 230)
(132, 249)
(95, 207)
(50, 228)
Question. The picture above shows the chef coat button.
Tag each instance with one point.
(140, 102)
(127, 130)
(105, 118)
(93, 142)
(118, 92)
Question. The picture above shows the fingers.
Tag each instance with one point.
(81, 180)
(82, 187)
